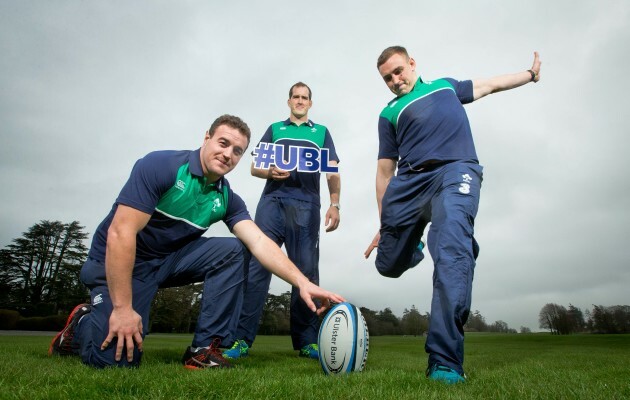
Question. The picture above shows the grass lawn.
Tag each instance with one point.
(523, 366)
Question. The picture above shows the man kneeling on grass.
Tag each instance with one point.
(151, 239)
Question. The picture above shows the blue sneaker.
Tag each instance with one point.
(310, 351)
(441, 373)
(417, 255)
(239, 349)
(421, 246)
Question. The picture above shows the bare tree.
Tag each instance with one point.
(555, 318)
(613, 319)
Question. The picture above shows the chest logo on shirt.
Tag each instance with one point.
(216, 204)
(302, 159)
(181, 185)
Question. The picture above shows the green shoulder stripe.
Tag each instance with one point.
(422, 89)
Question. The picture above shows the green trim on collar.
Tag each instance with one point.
(421, 90)
(309, 132)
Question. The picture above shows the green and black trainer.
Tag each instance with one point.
(310, 351)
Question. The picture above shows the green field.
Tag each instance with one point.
(532, 366)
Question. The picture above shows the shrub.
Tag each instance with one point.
(9, 319)
(50, 323)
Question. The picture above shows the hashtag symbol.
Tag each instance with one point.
(264, 155)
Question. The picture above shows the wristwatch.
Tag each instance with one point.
(335, 205)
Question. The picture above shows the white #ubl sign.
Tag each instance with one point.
(302, 159)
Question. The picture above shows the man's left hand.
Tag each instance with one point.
(332, 219)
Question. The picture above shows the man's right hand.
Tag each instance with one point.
(126, 325)
(278, 174)
(372, 245)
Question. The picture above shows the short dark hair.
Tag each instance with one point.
(390, 51)
(301, 84)
(233, 122)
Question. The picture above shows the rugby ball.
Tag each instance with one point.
(343, 340)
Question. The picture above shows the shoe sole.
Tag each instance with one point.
(194, 367)
(235, 358)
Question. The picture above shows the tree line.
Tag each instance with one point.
(562, 320)
(39, 279)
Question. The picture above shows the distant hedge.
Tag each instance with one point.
(8, 319)
(11, 320)
(50, 323)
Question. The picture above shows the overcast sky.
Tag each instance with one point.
(88, 87)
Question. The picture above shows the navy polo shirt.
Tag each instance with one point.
(170, 186)
(428, 124)
(300, 185)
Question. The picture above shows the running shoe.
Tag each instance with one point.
(62, 342)
(310, 351)
(442, 373)
(239, 349)
(421, 246)
(205, 357)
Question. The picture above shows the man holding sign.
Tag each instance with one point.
(290, 156)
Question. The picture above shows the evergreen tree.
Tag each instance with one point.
(176, 309)
(576, 319)
(414, 323)
(41, 268)
(476, 323)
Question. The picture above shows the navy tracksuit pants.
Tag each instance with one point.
(446, 195)
(294, 223)
(220, 263)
